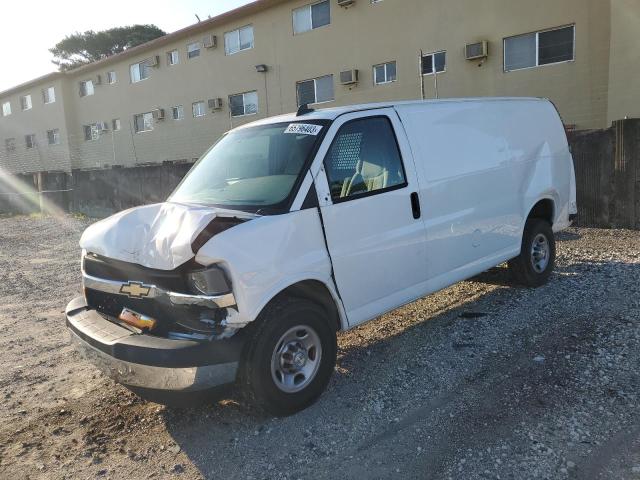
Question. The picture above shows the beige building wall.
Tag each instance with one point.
(38, 121)
(358, 37)
(624, 68)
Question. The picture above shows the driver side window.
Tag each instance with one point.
(364, 159)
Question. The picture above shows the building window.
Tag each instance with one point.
(311, 16)
(49, 95)
(143, 122)
(243, 104)
(173, 57)
(384, 73)
(539, 48)
(434, 63)
(193, 50)
(91, 132)
(177, 112)
(115, 124)
(6, 109)
(139, 71)
(86, 88)
(111, 77)
(198, 109)
(238, 40)
(316, 90)
(25, 102)
(53, 136)
(30, 140)
(10, 144)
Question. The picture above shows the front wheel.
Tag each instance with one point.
(290, 357)
(533, 267)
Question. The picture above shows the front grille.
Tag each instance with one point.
(109, 269)
(168, 316)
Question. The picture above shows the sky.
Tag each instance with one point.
(30, 28)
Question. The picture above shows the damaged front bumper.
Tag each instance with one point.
(146, 362)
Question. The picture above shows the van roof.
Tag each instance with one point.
(334, 112)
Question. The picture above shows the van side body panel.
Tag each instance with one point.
(482, 166)
(266, 255)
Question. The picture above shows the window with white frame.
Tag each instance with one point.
(86, 88)
(173, 57)
(111, 77)
(199, 109)
(539, 48)
(434, 63)
(115, 124)
(30, 140)
(139, 71)
(53, 136)
(143, 122)
(177, 112)
(25, 102)
(6, 109)
(91, 132)
(384, 73)
(311, 16)
(316, 90)
(243, 104)
(193, 50)
(49, 95)
(10, 144)
(238, 40)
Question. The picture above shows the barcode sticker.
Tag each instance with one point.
(304, 129)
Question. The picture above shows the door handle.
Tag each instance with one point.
(415, 205)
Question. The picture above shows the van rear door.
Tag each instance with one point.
(368, 192)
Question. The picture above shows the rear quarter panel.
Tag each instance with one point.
(482, 166)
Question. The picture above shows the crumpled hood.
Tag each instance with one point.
(156, 236)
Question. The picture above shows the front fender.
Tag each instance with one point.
(266, 255)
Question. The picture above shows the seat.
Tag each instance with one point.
(371, 172)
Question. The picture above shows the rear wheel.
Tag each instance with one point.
(533, 267)
(290, 357)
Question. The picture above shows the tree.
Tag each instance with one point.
(82, 48)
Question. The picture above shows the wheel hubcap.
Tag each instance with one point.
(540, 253)
(296, 359)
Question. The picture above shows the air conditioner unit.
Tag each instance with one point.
(153, 61)
(210, 41)
(215, 103)
(158, 114)
(98, 80)
(346, 3)
(102, 126)
(474, 51)
(349, 77)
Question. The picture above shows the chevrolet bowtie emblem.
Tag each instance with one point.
(135, 289)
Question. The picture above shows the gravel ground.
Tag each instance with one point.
(479, 381)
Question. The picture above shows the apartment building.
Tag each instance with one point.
(170, 99)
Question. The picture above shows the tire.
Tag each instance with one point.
(534, 265)
(289, 358)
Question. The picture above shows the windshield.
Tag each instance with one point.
(251, 168)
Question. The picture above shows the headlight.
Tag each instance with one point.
(212, 281)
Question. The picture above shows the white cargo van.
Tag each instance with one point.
(292, 228)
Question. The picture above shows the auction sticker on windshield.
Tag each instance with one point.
(304, 129)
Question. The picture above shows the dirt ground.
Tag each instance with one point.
(480, 381)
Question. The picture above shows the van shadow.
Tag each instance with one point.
(223, 438)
